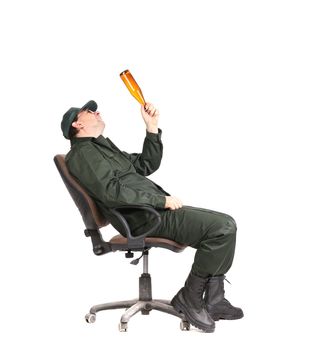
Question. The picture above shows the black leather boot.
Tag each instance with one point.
(216, 304)
(189, 301)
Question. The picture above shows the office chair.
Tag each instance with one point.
(94, 220)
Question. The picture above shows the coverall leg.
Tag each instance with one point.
(213, 234)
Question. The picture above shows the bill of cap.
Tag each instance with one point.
(91, 105)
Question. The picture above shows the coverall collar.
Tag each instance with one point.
(75, 140)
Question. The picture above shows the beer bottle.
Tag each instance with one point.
(132, 86)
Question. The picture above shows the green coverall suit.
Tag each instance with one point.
(114, 178)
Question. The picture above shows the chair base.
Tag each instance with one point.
(133, 307)
(143, 304)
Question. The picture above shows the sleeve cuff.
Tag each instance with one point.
(160, 202)
(154, 137)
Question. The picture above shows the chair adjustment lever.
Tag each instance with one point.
(136, 261)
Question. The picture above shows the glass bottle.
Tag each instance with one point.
(132, 86)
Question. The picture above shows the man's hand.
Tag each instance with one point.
(173, 203)
(150, 115)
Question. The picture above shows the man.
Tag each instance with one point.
(114, 178)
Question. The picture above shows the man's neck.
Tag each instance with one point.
(85, 134)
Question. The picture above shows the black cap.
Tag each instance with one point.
(71, 114)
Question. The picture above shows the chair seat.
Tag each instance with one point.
(119, 242)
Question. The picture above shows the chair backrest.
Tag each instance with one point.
(91, 215)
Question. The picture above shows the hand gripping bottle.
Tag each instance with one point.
(132, 86)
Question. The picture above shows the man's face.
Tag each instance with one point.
(90, 121)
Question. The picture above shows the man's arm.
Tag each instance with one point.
(149, 160)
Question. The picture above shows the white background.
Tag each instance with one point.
(235, 84)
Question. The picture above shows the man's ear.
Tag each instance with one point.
(77, 125)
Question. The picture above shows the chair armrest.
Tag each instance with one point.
(135, 242)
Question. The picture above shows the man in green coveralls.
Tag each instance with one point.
(114, 178)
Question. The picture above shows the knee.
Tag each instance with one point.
(231, 223)
(228, 226)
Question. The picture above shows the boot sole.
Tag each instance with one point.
(182, 309)
(225, 317)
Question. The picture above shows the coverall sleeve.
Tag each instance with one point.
(149, 160)
(92, 170)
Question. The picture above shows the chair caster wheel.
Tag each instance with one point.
(123, 326)
(184, 326)
(90, 318)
